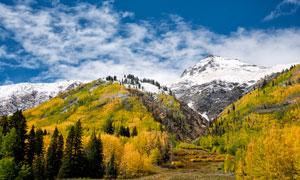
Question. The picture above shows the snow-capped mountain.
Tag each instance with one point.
(215, 82)
(28, 95)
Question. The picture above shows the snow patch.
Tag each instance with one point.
(49, 89)
(28, 95)
(205, 116)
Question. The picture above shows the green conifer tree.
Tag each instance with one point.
(4, 124)
(127, 132)
(39, 167)
(30, 146)
(18, 122)
(121, 131)
(51, 167)
(39, 142)
(60, 151)
(8, 143)
(94, 155)
(65, 170)
(111, 169)
(9, 169)
(108, 127)
(73, 160)
(79, 160)
(134, 132)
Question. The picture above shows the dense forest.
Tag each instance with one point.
(24, 154)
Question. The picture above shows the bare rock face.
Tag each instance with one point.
(211, 98)
(215, 82)
(28, 95)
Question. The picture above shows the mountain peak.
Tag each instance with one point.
(214, 67)
(215, 82)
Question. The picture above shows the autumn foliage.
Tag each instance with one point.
(273, 156)
(261, 130)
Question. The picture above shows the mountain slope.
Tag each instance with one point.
(28, 95)
(274, 107)
(100, 101)
(212, 84)
(276, 102)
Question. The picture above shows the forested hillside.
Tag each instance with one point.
(100, 129)
(101, 104)
(261, 130)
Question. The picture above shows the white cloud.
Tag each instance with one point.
(286, 7)
(5, 54)
(86, 42)
(262, 47)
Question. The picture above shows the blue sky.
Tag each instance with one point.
(52, 40)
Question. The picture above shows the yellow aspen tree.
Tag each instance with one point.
(132, 163)
(274, 155)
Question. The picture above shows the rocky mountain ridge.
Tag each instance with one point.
(215, 82)
(28, 95)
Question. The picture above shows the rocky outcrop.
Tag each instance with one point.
(185, 123)
(212, 98)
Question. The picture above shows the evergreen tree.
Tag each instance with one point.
(65, 170)
(4, 124)
(60, 151)
(39, 142)
(73, 160)
(94, 155)
(127, 132)
(78, 151)
(124, 131)
(39, 167)
(134, 132)
(121, 131)
(31, 146)
(9, 169)
(18, 122)
(108, 127)
(8, 143)
(53, 161)
(111, 169)
(39, 162)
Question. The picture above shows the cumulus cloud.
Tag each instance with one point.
(286, 7)
(262, 47)
(86, 42)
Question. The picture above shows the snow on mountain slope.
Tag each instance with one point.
(222, 69)
(215, 82)
(28, 95)
(147, 88)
